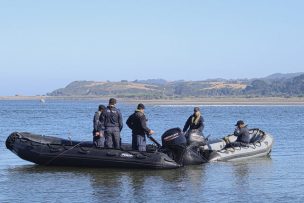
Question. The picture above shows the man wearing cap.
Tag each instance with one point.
(242, 132)
(112, 124)
(137, 122)
(195, 121)
(98, 133)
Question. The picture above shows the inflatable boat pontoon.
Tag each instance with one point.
(176, 150)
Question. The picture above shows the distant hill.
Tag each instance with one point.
(152, 81)
(277, 85)
(274, 85)
(120, 89)
(280, 76)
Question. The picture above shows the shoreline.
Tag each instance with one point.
(179, 101)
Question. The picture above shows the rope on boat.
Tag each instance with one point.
(49, 145)
(253, 145)
(48, 162)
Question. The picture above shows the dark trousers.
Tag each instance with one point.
(139, 142)
(112, 139)
(99, 141)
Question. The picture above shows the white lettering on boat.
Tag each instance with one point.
(171, 137)
(126, 155)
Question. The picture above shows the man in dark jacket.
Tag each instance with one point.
(137, 122)
(112, 124)
(242, 132)
(98, 132)
(195, 121)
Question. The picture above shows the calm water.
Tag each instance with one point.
(276, 179)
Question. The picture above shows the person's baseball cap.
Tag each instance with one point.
(112, 101)
(140, 106)
(240, 122)
(101, 107)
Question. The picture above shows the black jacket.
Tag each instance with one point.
(97, 122)
(242, 134)
(137, 122)
(199, 126)
(111, 119)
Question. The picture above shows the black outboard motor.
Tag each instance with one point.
(174, 143)
(195, 137)
(174, 137)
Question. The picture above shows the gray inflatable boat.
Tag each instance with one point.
(226, 150)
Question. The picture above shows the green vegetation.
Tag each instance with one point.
(286, 85)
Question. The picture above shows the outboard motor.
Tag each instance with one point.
(195, 137)
(174, 137)
(174, 143)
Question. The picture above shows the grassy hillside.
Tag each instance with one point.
(274, 85)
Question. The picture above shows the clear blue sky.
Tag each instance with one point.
(44, 45)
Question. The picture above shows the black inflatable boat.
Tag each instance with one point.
(176, 150)
(48, 150)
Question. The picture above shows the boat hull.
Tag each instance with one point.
(219, 150)
(46, 150)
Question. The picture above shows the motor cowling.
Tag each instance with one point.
(174, 137)
(174, 144)
(195, 137)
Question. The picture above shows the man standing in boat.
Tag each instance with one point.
(112, 123)
(137, 122)
(98, 132)
(195, 121)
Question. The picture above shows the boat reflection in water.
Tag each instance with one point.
(139, 185)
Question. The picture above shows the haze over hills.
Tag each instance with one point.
(291, 84)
